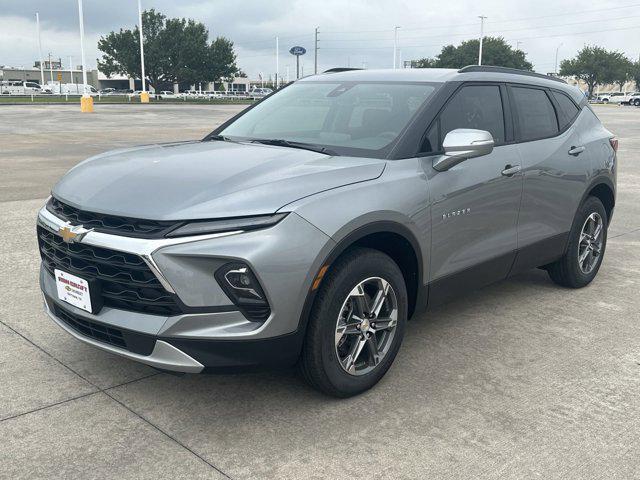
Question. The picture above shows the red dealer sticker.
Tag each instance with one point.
(73, 290)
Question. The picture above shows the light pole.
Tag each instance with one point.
(395, 46)
(70, 71)
(555, 69)
(86, 102)
(144, 96)
(315, 57)
(50, 70)
(482, 18)
(277, 61)
(40, 49)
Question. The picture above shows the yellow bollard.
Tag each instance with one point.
(86, 104)
(144, 97)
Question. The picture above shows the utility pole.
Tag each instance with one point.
(555, 69)
(144, 96)
(395, 46)
(40, 49)
(86, 102)
(482, 19)
(277, 61)
(518, 43)
(315, 57)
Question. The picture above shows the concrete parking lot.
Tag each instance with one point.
(521, 379)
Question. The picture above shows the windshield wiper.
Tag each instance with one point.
(288, 143)
(220, 138)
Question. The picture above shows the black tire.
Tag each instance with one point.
(566, 271)
(319, 362)
(636, 102)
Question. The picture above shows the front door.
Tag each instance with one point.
(474, 205)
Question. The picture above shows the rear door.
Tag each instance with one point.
(553, 164)
(474, 205)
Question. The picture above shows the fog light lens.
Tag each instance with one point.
(239, 280)
(242, 287)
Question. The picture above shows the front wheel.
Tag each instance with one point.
(585, 250)
(356, 324)
(636, 102)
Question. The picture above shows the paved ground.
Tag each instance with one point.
(521, 379)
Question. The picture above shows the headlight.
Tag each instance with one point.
(242, 287)
(227, 225)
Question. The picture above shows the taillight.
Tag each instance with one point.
(614, 144)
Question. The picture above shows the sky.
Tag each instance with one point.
(356, 33)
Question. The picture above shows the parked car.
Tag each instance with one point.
(260, 92)
(191, 94)
(107, 91)
(309, 228)
(165, 95)
(15, 87)
(613, 97)
(634, 99)
(70, 89)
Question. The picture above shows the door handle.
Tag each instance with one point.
(575, 151)
(510, 170)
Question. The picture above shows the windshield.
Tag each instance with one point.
(349, 118)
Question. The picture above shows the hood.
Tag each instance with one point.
(199, 180)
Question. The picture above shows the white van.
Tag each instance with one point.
(12, 87)
(69, 89)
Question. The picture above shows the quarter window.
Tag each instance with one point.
(567, 110)
(535, 113)
(475, 106)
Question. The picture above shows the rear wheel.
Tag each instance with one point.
(587, 243)
(356, 325)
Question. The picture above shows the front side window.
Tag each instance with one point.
(475, 106)
(351, 118)
(535, 114)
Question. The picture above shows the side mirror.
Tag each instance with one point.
(461, 144)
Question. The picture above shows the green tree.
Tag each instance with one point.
(621, 68)
(176, 50)
(597, 66)
(635, 74)
(495, 52)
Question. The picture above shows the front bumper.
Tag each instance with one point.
(212, 335)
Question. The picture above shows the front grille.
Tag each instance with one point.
(134, 342)
(113, 224)
(125, 279)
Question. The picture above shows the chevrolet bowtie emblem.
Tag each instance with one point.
(73, 233)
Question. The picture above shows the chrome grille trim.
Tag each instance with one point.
(143, 247)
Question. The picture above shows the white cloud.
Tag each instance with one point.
(351, 31)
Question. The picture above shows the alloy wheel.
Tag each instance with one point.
(366, 326)
(591, 242)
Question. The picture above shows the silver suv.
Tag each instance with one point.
(310, 227)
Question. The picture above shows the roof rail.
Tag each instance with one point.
(514, 71)
(340, 69)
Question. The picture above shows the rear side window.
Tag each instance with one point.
(475, 106)
(567, 110)
(535, 113)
